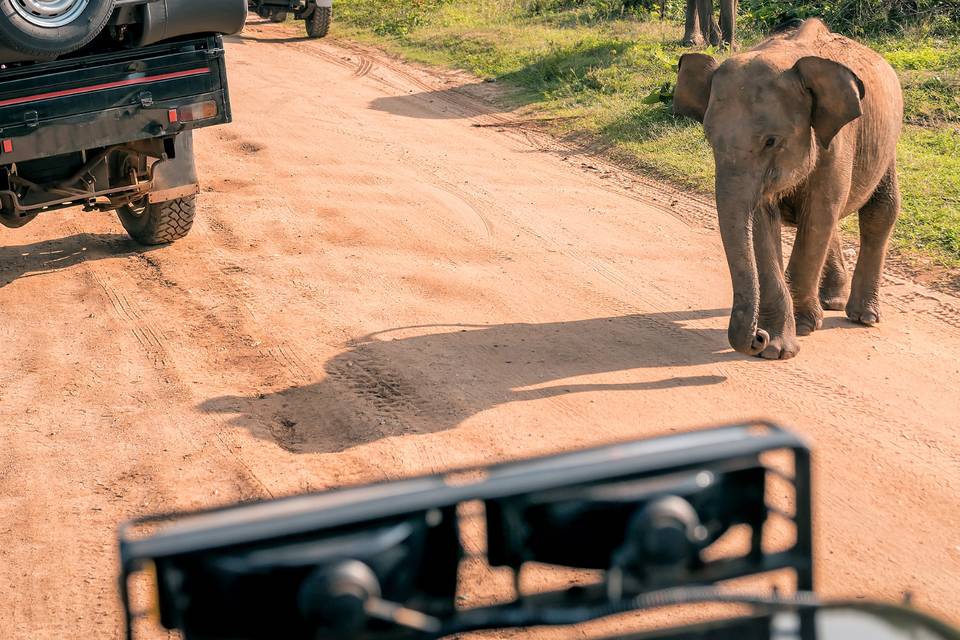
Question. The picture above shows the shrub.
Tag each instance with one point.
(860, 17)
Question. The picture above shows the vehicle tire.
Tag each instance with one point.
(278, 16)
(45, 29)
(318, 23)
(159, 223)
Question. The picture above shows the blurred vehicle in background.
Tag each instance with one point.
(317, 14)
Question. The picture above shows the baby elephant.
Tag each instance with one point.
(804, 130)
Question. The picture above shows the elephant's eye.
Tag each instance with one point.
(770, 142)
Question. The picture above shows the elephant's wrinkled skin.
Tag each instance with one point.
(804, 130)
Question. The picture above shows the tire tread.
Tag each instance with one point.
(318, 24)
(165, 223)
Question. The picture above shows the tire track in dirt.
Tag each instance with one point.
(610, 177)
(364, 67)
(382, 393)
(243, 324)
(935, 309)
(465, 201)
(132, 318)
(671, 200)
(159, 348)
(226, 281)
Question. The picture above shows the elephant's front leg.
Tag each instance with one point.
(816, 228)
(776, 308)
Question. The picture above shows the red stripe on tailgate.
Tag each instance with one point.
(109, 85)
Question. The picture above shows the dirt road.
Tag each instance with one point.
(402, 280)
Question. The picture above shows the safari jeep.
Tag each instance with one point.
(317, 14)
(98, 103)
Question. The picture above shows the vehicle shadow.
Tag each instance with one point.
(416, 380)
(27, 260)
(240, 38)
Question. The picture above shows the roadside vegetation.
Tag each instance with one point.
(601, 69)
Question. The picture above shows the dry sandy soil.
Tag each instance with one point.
(397, 279)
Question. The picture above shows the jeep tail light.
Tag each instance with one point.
(197, 111)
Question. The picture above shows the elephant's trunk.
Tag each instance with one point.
(736, 202)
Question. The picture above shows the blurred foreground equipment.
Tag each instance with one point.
(657, 519)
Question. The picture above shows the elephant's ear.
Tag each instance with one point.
(692, 93)
(837, 92)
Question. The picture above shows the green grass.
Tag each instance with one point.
(929, 161)
(593, 66)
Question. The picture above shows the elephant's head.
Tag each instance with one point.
(766, 125)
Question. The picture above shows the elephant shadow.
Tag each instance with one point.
(417, 380)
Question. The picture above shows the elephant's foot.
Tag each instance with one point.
(865, 312)
(833, 303)
(834, 295)
(834, 292)
(778, 321)
(809, 317)
(781, 347)
(834, 285)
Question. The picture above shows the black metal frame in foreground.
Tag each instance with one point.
(724, 450)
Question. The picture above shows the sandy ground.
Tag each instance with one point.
(388, 277)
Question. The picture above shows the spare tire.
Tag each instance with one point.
(45, 29)
(167, 19)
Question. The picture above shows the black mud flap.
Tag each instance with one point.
(176, 177)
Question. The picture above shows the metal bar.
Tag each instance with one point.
(804, 517)
(66, 200)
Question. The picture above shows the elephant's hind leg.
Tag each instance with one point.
(691, 30)
(817, 216)
(834, 285)
(877, 218)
